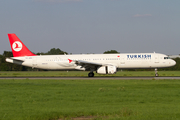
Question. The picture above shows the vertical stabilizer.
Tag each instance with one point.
(18, 48)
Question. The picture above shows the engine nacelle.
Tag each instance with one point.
(107, 70)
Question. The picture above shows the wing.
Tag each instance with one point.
(92, 66)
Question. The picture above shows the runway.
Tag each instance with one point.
(96, 78)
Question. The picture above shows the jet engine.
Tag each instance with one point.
(107, 70)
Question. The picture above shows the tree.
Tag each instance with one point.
(41, 53)
(7, 54)
(55, 51)
(110, 52)
(8, 66)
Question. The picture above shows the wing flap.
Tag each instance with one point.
(87, 65)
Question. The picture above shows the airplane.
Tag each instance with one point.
(101, 63)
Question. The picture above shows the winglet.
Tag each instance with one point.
(18, 48)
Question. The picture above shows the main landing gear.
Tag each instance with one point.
(156, 72)
(91, 74)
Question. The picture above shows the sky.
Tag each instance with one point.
(92, 26)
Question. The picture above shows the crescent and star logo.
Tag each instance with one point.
(17, 46)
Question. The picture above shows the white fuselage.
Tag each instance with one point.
(120, 61)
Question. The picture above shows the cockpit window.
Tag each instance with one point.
(166, 57)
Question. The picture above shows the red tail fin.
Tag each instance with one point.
(18, 48)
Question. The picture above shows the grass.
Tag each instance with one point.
(83, 73)
(97, 99)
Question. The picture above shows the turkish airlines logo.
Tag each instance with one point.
(17, 46)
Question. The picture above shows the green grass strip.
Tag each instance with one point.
(84, 73)
(97, 99)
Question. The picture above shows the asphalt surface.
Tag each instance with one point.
(96, 78)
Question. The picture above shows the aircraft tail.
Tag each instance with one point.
(18, 48)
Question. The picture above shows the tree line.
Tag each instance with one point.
(4, 66)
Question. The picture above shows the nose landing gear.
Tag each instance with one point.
(156, 72)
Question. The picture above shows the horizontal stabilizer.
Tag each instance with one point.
(16, 61)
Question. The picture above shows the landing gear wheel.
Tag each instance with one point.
(156, 75)
(91, 74)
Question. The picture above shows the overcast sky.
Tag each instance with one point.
(92, 26)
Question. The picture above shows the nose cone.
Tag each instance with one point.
(173, 62)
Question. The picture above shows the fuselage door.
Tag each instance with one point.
(34, 62)
(156, 57)
(122, 61)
